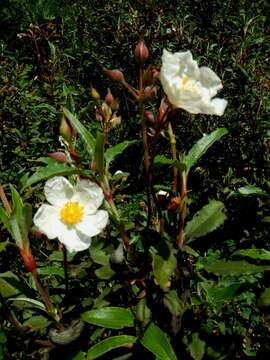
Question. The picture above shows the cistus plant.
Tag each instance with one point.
(125, 270)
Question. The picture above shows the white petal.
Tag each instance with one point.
(219, 106)
(58, 190)
(92, 225)
(47, 221)
(74, 240)
(90, 195)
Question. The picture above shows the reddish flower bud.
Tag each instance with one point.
(115, 105)
(59, 156)
(174, 203)
(141, 52)
(115, 75)
(149, 117)
(109, 97)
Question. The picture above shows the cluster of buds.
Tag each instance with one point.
(106, 112)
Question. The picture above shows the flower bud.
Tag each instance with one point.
(115, 75)
(149, 117)
(115, 105)
(174, 203)
(94, 93)
(59, 156)
(65, 129)
(109, 97)
(141, 52)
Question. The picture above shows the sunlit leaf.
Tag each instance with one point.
(109, 344)
(208, 219)
(156, 341)
(260, 254)
(200, 148)
(86, 136)
(250, 190)
(115, 150)
(109, 317)
(53, 169)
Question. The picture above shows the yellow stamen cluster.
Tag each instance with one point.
(188, 84)
(71, 213)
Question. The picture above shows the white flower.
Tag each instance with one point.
(71, 215)
(189, 87)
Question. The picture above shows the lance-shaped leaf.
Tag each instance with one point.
(200, 148)
(235, 268)
(109, 317)
(208, 219)
(109, 344)
(99, 154)
(156, 341)
(53, 168)
(112, 152)
(20, 219)
(258, 254)
(87, 137)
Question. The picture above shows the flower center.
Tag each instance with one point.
(188, 84)
(71, 213)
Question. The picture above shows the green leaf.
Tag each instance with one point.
(235, 268)
(163, 268)
(112, 152)
(87, 137)
(10, 284)
(4, 218)
(3, 245)
(37, 322)
(250, 190)
(200, 148)
(161, 160)
(208, 219)
(109, 317)
(156, 341)
(105, 272)
(264, 299)
(25, 302)
(99, 256)
(196, 347)
(173, 303)
(53, 169)
(99, 154)
(109, 344)
(143, 313)
(258, 254)
(51, 270)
